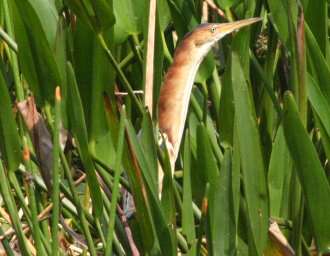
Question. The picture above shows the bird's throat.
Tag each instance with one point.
(175, 95)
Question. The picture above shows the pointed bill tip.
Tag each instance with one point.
(232, 26)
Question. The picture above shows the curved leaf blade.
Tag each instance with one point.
(251, 157)
(78, 128)
(10, 140)
(312, 177)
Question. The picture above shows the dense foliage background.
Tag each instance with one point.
(253, 167)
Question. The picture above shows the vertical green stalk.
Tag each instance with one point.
(40, 199)
(13, 211)
(56, 173)
(202, 223)
(120, 249)
(188, 223)
(297, 76)
(8, 40)
(30, 212)
(33, 206)
(134, 41)
(301, 63)
(115, 190)
(76, 202)
(205, 103)
(294, 82)
(12, 56)
(6, 245)
(266, 82)
(120, 73)
(18, 190)
(215, 91)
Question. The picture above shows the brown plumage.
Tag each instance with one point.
(176, 89)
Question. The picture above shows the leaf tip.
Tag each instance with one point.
(58, 93)
(26, 154)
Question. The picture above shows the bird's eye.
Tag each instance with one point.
(212, 29)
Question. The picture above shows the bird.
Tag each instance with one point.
(176, 89)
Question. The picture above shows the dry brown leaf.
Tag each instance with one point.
(280, 240)
(40, 136)
(149, 73)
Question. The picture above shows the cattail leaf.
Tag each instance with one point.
(315, 185)
(221, 211)
(316, 17)
(227, 108)
(48, 17)
(280, 21)
(316, 59)
(97, 14)
(36, 56)
(100, 139)
(141, 201)
(10, 140)
(78, 128)
(188, 224)
(147, 167)
(104, 15)
(254, 177)
(148, 143)
(206, 159)
(56, 175)
(236, 177)
(319, 103)
(278, 171)
(129, 18)
(224, 4)
(9, 201)
(149, 211)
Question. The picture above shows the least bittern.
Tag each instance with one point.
(175, 92)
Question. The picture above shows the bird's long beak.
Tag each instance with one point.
(229, 27)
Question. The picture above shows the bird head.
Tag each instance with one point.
(206, 35)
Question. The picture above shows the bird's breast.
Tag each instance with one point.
(175, 94)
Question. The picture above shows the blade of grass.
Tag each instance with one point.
(168, 240)
(319, 103)
(221, 212)
(202, 223)
(13, 211)
(314, 183)
(56, 174)
(10, 144)
(149, 146)
(317, 16)
(267, 84)
(188, 223)
(6, 245)
(8, 40)
(37, 61)
(161, 227)
(115, 187)
(36, 232)
(78, 127)
(280, 21)
(278, 170)
(76, 201)
(121, 74)
(316, 58)
(251, 157)
(143, 212)
(13, 56)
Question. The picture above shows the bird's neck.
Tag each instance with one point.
(175, 93)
